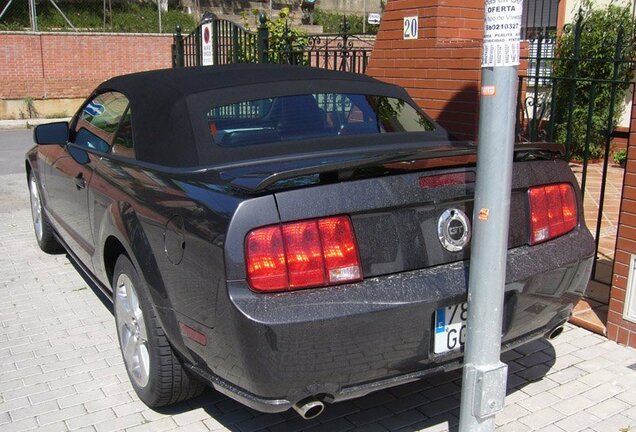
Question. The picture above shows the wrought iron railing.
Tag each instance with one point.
(232, 43)
(549, 107)
(537, 106)
(342, 52)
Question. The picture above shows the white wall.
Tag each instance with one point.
(572, 6)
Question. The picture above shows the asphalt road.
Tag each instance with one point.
(13, 146)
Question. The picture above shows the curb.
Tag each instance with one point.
(28, 123)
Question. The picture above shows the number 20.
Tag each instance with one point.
(410, 27)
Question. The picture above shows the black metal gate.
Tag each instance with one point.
(232, 43)
(557, 102)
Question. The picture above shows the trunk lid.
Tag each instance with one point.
(399, 217)
(395, 197)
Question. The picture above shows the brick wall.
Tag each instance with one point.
(618, 329)
(69, 65)
(441, 69)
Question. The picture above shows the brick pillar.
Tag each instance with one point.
(618, 329)
(441, 69)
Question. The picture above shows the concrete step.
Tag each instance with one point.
(591, 314)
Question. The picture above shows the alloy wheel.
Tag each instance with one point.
(36, 208)
(131, 328)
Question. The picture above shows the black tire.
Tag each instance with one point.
(167, 381)
(44, 232)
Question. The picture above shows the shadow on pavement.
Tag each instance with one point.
(106, 301)
(432, 402)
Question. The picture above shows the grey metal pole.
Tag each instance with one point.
(63, 16)
(484, 375)
(364, 16)
(33, 15)
(6, 8)
(159, 14)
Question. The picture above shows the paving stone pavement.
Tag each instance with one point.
(60, 367)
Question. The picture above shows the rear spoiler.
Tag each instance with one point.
(539, 150)
(259, 176)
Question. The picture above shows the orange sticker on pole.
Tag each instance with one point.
(488, 90)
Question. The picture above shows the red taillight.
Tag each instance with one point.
(439, 180)
(552, 211)
(340, 250)
(266, 266)
(305, 264)
(302, 254)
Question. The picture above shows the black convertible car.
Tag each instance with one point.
(291, 236)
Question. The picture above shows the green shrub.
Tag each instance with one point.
(29, 108)
(137, 17)
(286, 44)
(600, 30)
(620, 157)
(332, 23)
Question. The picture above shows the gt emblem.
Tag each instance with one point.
(453, 230)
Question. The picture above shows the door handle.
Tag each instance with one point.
(80, 183)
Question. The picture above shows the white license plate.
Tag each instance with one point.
(450, 328)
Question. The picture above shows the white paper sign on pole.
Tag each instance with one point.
(207, 50)
(502, 30)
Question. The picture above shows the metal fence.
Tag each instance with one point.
(92, 15)
(232, 43)
(340, 51)
(557, 102)
(538, 15)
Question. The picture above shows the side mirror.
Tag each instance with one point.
(51, 133)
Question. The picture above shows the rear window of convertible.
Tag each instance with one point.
(310, 116)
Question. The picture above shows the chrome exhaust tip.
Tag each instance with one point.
(309, 408)
(555, 332)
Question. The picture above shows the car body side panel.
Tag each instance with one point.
(174, 234)
(140, 222)
(65, 184)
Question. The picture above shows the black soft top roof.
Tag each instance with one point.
(186, 81)
(169, 105)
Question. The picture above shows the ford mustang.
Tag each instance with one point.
(291, 236)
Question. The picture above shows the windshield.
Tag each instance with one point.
(310, 116)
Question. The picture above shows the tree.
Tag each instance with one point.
(604, 39)
(286, 44)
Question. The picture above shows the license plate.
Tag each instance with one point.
(450, 328)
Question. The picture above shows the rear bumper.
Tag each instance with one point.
(337, 343)
(274, 405)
